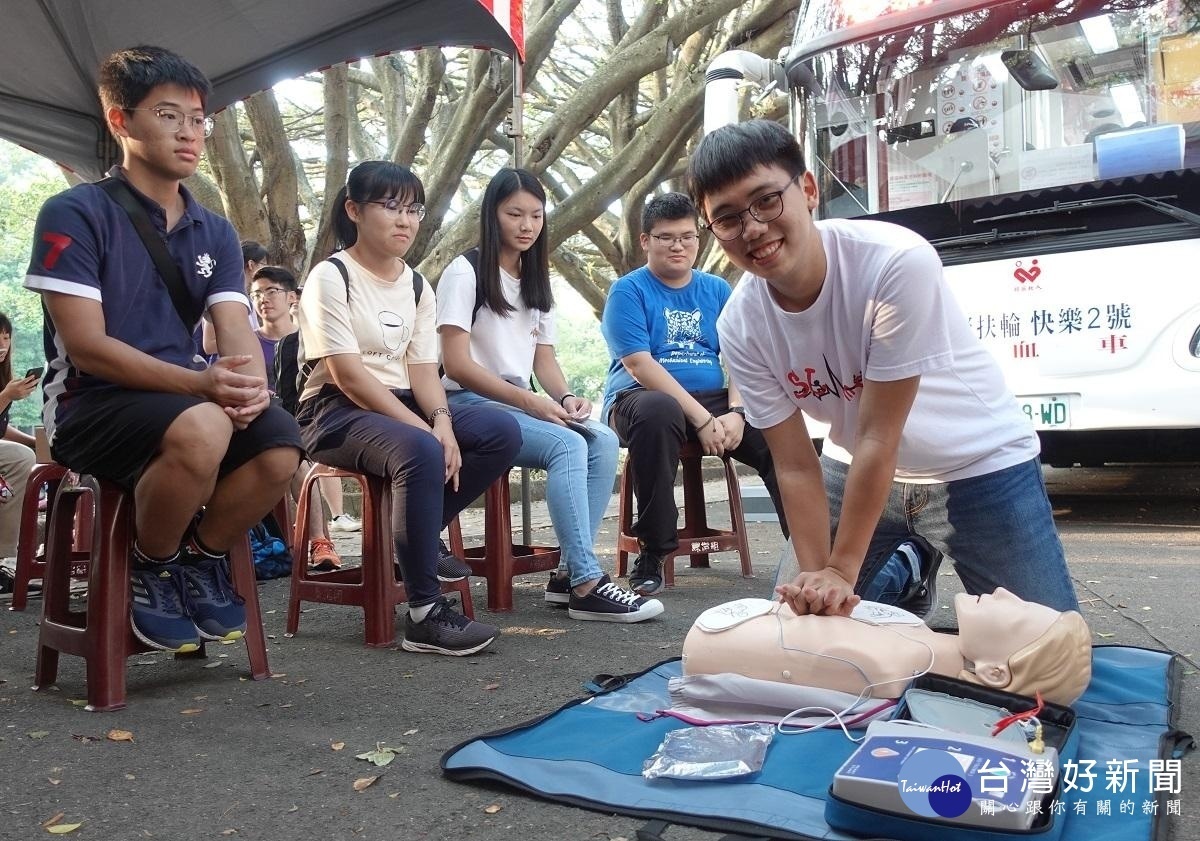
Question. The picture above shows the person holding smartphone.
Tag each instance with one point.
(496, 321)
(16, 448)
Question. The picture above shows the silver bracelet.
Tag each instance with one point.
(440, 410)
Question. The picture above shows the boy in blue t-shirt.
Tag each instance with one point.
(125, 399)
(666, 384)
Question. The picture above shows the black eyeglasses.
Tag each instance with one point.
(394, 207)
(670, 239)
(765, 208)
(173, 121)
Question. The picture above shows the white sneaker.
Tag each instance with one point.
(345, 523)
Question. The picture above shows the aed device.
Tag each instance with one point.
(996, 772)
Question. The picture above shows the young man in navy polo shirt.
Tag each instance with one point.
(666, 384)
(124, 397)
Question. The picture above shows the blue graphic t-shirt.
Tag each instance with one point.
(678, 327)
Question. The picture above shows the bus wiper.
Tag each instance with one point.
(995, 235)
(1158, 203)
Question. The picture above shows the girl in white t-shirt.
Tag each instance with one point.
(374, 404)
(496, 321)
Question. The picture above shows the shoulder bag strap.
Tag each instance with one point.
(167, 268)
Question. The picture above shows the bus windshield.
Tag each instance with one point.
(918, 103)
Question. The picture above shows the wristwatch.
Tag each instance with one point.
(738, 410)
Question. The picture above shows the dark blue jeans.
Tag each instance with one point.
(340, 433)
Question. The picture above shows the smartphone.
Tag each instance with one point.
(33, 372)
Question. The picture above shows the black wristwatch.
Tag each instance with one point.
(738, 410)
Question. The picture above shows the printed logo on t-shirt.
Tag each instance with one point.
(683, 328)
(205, 265)
(58, 244)
(810, 386)
(392, 330)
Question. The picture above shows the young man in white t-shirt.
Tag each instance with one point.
(851, 322)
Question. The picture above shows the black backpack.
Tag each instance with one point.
(302, 375)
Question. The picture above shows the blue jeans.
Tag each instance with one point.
(997, 528)
(579, 480)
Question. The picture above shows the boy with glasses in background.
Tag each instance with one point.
(851, 322)
(666, 384)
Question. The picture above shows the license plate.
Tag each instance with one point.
(1046, 411)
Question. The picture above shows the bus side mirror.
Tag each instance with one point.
(1029, 70)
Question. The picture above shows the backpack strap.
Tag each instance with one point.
(341, 267)
(418, 286)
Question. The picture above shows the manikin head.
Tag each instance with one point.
(1023, 647)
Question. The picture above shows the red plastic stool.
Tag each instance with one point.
(373, 586)
(695, 538)
(102, 634)
(30, 565)
(499, 559)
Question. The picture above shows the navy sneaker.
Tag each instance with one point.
(610, 603)
(647, 576)
(558, 588)
(446, 631)
(921, 597)
(218, 611)
(449, 567)
(158, 609)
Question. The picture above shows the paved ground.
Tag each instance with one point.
(214, 755)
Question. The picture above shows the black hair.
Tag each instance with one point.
(6, 365)
(127, 76)
(732, 152)
(535, 263)
(252, 252)
(669, 207)
(278, 275)
(372, 181)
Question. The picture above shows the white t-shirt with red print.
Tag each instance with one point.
(883, 313)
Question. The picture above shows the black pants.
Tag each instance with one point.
(340, 433)
(652, 425)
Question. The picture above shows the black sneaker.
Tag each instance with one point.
(446, 631)
(610, 603)
(647, 576)
(558, 588)
(921, 598)
(449, 567)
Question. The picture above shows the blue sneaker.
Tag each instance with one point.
(157, 608)
(216, 609)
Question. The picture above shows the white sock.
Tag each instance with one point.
(418, 614)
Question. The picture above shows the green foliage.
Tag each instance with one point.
(582, 353)
(26, 181)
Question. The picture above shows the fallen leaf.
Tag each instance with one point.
(214, 664)
(230, 642)
(381, 756)
(338, 745)
(81, 737)
(491, 686)
(191, 711)
(1104, 636)
(79, 702)
(493, 809)
(230, 831)
(314, 772)
(293, 809)
(119, 736)
(130, 777)
(412, 732)
(394, 795)
(38, 734)
(52, 821)
(53, 781)
(363, 783)
(63, 828)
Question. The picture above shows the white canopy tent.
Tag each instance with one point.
(49, 51)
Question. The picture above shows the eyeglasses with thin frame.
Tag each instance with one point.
(766, 208)
(173, 121)
(269, 292)
(394, 207)
(668, 240)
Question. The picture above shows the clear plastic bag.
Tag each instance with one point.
(718, 752)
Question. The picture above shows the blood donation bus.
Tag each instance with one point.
(1049, 149)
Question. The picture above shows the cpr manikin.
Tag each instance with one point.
(1003, 642)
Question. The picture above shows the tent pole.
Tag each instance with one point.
(518, 104)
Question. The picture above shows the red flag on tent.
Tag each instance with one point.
(511, 15)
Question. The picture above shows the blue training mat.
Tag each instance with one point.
(1127, 713)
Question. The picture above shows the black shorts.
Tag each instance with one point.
(114, 433)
